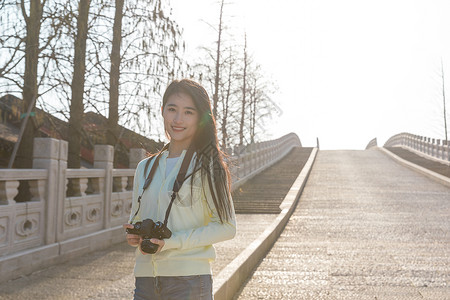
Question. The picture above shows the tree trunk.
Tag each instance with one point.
(30, 89)
(217, 77)
(76, 104)
(443, 98)
(244, 92)
(226, 104)
(114, 75)
(253, 113)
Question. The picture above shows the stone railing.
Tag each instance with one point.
(372, 143)
(249, 160)
(432, 148)
(66, 212)
(70, 212)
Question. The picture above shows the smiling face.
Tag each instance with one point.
(180, 119)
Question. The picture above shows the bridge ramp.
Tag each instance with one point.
(365, 228)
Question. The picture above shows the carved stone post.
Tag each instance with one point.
(46, 155)
(62, 188)
(103, 159)
(136, 155)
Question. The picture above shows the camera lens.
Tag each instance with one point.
(149, 247)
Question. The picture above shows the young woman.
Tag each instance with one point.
(202, 212)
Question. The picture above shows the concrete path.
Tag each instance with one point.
(108, 273)
(365, 228)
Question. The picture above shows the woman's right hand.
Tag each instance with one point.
(132, 239)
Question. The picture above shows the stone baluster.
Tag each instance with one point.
(443, 154)
(447, 150)
(440, 149)
(255, 157)
(429, 147)
(240, 165)
(433, 152)
(266, 155)
(252, 161)
(243, 164)
(247, 163)
(8, 190)
(260, 155)
(37, 190)
(421, 147)
(78, 186)
(120, 183)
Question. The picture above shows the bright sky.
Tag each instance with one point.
(347, 70)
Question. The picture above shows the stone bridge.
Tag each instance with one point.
(370, 224)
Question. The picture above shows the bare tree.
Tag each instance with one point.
(244, 92)
(33, 21)
(228, 90)
(226, 100)
(443, 99)
(260, 102)
(114, 75)
(77, 86)
(217, 63)
(12, 38)
(131, 52)
(147, 57)
(152, 48)
(27, 30)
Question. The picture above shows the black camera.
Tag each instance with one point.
(148, 229)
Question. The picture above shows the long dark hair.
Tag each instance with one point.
(209, 157)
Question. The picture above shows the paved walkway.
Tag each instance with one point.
(365, 228)
(107, 274)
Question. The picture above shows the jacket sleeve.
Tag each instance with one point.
(213, 232)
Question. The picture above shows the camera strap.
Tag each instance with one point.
(181, 177)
